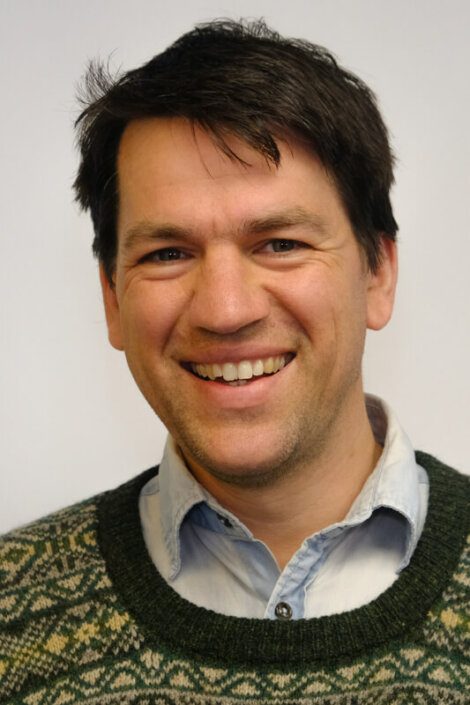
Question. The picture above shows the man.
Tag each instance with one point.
(291, 547)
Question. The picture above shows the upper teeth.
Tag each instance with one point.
(246, 369)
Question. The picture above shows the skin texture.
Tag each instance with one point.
(219, 261)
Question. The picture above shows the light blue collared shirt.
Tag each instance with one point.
(212, 559)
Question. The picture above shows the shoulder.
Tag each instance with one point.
(43, 564)
(448, 517)
(47, 564)
(443, 476)
(58, 606)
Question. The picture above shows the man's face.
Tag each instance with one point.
(235, 269)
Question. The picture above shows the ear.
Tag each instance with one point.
(382, 285)
(111, 307)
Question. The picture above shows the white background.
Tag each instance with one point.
(72, 422)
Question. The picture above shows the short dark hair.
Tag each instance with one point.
(245, 79)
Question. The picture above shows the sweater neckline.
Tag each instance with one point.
(166, 618)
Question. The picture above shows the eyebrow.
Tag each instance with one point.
(286, 219)
(146, 231)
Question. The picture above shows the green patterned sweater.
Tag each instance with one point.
(86, 618)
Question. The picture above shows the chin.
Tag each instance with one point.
(252, 477)
(247, 465)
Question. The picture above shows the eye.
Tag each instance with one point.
(281, 246)
(164, 255)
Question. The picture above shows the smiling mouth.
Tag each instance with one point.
(239, 373)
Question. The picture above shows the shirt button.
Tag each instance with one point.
(283, 611)
(226, 522)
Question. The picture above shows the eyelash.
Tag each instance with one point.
(158, 255)
(284, 241)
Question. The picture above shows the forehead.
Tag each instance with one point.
(170, 169)
(169, 138)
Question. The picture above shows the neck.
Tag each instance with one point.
(314, 496)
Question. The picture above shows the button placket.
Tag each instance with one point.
(290, 587)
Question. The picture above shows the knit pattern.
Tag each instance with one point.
(69, 635)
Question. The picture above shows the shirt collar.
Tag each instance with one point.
(182, 495)
(394, 484)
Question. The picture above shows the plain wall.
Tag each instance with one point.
(72, 421)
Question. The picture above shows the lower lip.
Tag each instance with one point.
(255, 393)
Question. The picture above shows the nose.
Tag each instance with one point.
(228, 294)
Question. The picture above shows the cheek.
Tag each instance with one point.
(325, 306)
(149, 314)
(309, 299)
